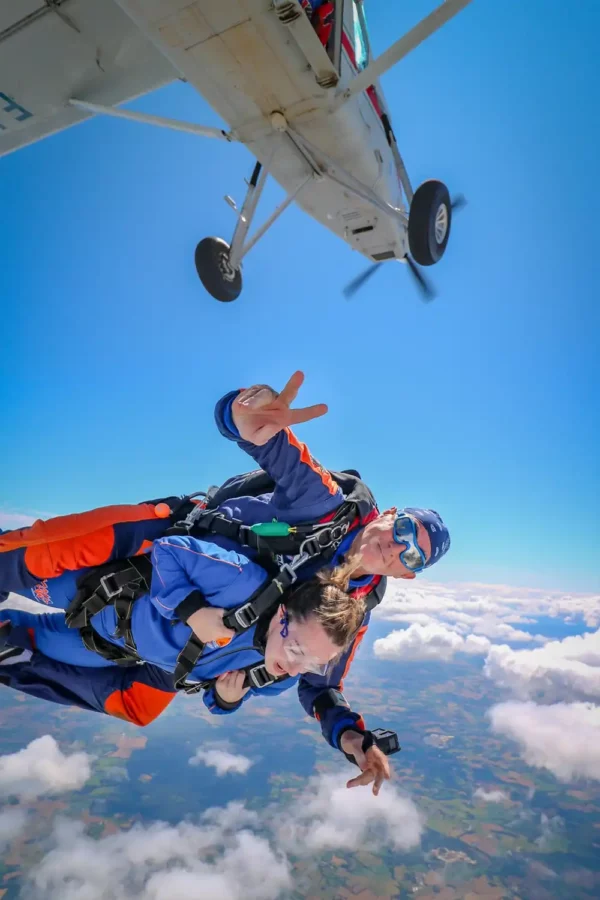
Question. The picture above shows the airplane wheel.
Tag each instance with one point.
(429, 222)
(214, 271)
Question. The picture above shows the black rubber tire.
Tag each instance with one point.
(211, 256)
(427, 201)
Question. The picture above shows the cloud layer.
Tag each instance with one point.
(181, 862)
(561, 671)
(564, 737)
(560, 731)
(232, 853)
(480, 607)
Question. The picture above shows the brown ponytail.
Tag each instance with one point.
(325, 596)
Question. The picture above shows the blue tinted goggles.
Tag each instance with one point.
(405, 532)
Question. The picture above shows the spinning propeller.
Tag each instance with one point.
(423, 283)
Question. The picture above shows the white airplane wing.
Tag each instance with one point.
(52, 50)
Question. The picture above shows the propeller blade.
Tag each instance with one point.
(425, 286)
(459, 201)
(361, 279)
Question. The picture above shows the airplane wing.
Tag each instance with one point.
(52, 50)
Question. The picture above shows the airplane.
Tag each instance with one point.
(292, 79)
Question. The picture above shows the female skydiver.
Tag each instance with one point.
(306, 632)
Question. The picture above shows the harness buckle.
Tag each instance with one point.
(288, 570)
(199, 511)
(193, 687)
(310, 547)
(332, 535)
(260, 677)
(245, 616)
(109, 592)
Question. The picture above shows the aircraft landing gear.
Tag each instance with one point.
(215, 271)
(218, 263)
(429, 222)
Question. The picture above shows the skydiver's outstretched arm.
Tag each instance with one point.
(258, 419)
(322, 697)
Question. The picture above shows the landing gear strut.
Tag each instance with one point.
(218, 263)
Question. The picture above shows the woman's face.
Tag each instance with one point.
(307, 647)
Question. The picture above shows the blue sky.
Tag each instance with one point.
(483, 404)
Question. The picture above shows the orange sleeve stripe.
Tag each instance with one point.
(357, 641)
(307, 459)
(67, 543)
(66, 528)
(139, 704)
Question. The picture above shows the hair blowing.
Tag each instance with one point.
(325, 597)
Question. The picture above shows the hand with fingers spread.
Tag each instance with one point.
(374, 764)
(230, 686)
(259, 412)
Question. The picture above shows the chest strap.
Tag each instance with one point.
(314, 539)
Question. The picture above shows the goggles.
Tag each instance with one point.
(405, 532)
(297, 654)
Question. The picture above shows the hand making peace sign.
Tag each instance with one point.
(259, 412)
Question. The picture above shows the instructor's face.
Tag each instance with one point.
(380, 554)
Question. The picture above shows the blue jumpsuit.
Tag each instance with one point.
(180, 566)
(33, 559)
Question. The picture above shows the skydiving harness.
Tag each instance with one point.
(121, 583)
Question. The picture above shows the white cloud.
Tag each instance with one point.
(232, 853)
(12, 824)
(564, 737)
(561, 671)
(495, 796)
(221, 759)
(41, 768)
(328, 815)
(183, 862)
(491, 628)
(433, 641)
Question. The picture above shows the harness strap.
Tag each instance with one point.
(265, 598)
(256, 676)
(121, 656)
(119, 583)
(187, 659)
